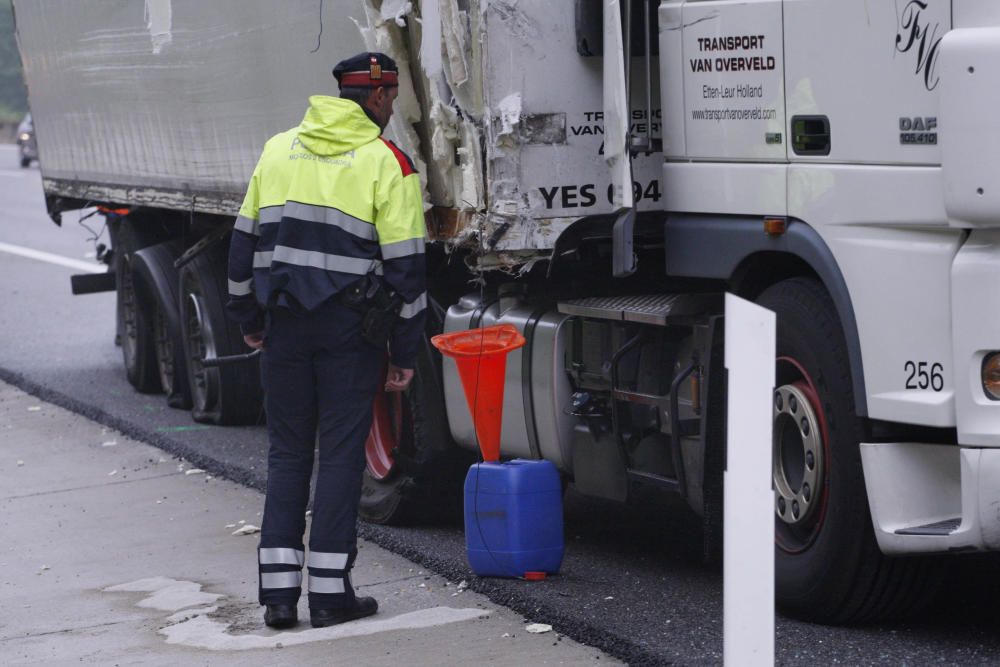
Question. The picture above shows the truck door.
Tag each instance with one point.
(725, 130)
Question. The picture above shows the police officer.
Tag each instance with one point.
(327, 255)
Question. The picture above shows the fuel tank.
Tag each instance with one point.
(537, 392)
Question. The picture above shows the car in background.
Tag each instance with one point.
(26, 145)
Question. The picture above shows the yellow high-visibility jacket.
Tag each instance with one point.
(329, 202)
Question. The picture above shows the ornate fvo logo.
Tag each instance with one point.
(918, 36)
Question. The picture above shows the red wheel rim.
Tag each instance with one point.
(805, 384)
(387, 427)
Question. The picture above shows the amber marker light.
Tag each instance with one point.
(775, 226)
(991, 376)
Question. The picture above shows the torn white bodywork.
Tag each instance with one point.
(168, 105)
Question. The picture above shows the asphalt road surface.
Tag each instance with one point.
(626, 586)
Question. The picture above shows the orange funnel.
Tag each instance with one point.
(481, 356)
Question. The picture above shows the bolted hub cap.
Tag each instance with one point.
(797, 455)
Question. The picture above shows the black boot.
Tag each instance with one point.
(362, 607)
(281, 616)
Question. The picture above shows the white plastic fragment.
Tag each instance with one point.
(109, 443)
(44, 567)
(113, 472)
(230, 525)
(610, 597)
(462, 585)
(20, 463)
(395, 10)
(194, 471)
(248, 529)
(506, 634)
(422, 586)
(510, 113)
(34, 408)
(538, 628)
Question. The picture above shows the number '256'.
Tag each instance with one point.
(924, 375)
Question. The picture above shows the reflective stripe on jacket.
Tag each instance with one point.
(329, 202)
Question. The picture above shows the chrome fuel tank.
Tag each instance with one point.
(537, 390)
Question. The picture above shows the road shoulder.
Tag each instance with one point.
(116, 552)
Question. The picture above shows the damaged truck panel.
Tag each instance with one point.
(545, 146)
(168, 103)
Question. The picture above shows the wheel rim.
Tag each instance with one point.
(164, 350)
(800, 458)
(201, 344)
(388, 434)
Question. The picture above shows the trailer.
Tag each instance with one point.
(598, 173)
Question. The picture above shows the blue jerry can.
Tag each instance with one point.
(513, 518)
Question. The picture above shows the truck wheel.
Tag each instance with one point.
(413, 470)
(135, 314)
(25, 162)
(223, 395)
(158, 280)
(829, 568)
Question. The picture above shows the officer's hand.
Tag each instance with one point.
(254, 340)
(398, 379)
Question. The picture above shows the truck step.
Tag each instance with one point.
(655, 309)
(942, 528)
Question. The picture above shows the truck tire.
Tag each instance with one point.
(25, 162)
(156, 277)
(414, 471)
(226, 395)
(829, 568)
(134, 313)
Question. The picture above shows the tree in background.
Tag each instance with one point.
(13, 96)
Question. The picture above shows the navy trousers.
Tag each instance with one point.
(320, 378)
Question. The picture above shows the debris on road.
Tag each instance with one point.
(34, 408)
(113, 472)
(109, 443)
(194, 471)
(538, 628)
(20, 463)
(248, 529)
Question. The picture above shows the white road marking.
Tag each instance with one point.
(192, 626)
(79, 265)
(166, 594)
(207, 633)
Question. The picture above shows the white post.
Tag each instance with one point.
(748, 540)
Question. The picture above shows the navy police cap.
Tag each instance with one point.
(367, 70)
